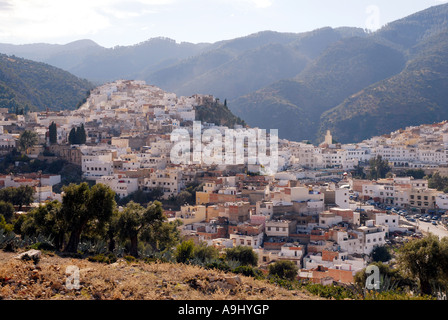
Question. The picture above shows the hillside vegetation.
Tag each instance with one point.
(217, 113)
(26, 85)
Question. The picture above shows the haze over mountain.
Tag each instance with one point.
(353, 82)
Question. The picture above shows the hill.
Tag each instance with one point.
(361, 86)
(61, 56)
(294, 106)
(233, 68)
(29, 85)
(353, 82)
(217, 113)
(86, 59)
(124, 280)
(414, 96)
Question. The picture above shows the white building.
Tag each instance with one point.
(122, 186)
(253, 241)
(96, 166)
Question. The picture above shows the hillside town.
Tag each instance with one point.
(313, 210)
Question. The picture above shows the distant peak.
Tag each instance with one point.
(83, 43)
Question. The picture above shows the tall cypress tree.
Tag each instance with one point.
(53, 133)
(72, 136)
(80, 135)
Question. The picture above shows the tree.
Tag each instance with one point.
(148, 223)
(7, 211)
(80, 135)
(27, 140)
(381, 254)
(183, 198)
(72, 136)
(245, 255)
(415, 173)
(112, 229)
(378, 168)
(20, 196)
(436, 181)
(159, 233)
(284, 269)
(46, 220)
(358, 172)
(130, 223)
(24, 196)
(77, 135)
(82, 205)
(425, 260)
(53, 133)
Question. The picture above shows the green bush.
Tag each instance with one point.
(185, 251)
(218, 265)
(5, 226)
(43, 246)
(329, 292)
(130, 258)
(284, 270)
(244, 255)
(101, 258)
(248, 271)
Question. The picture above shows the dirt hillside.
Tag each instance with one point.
(54, 278)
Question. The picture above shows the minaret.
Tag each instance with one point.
(328, 138)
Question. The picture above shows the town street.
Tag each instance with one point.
(426, 227)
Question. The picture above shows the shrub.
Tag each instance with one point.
(205, 253)
(244, 255)
(248, 271)
(218, 265)
(101, 258)
(329, 292)
(5, 226)
(284, 270)
(130, 258)
(381, 254)
(394, 295)
(43, 246)
(185, 251)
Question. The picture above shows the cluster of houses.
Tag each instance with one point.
(305, 212)
(424, 146)
(288, 221)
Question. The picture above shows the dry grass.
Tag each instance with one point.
(127, 281)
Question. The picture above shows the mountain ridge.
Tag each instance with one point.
(300, 83)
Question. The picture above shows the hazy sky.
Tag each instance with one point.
(126, 22)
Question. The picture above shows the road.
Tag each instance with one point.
(426, 227)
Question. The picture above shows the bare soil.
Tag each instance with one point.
(53, 278)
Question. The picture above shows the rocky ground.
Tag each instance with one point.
(54, 278)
